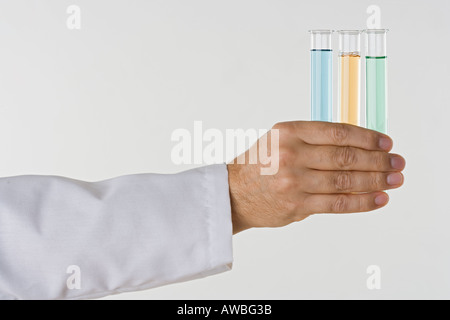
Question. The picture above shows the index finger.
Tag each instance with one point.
(341, 134)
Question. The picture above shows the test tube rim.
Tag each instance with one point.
(325, 31)
(376, 31)
(351, 32)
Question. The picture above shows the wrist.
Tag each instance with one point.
(237, 199)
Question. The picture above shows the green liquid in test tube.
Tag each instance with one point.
(376, 80)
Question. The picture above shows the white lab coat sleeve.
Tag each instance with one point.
(62, 238)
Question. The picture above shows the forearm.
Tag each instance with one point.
(128, 233)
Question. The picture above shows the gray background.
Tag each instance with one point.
(103, 101)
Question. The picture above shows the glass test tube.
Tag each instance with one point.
(349, 69)
(321, 75)
(376, 84)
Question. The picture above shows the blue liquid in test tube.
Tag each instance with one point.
(321, 85)
(321, 76)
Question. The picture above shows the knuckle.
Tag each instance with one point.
(339, 133)
(279, 125)
(342, 181)
(371, 139)
(377, 181)
(285, 184)
(286, 131)
(291, 207)
(379, 160)
(345, 157)
(286, 157)
(283, 126)
(362, 205)
(340, 204)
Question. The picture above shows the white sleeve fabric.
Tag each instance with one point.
(62, 238)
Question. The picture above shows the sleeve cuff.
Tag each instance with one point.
(220, 229)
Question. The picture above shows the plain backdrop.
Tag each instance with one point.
(103, 101)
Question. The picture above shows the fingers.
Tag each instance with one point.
(350, 181)
(345, 203)
(340, 134)
(350, 158)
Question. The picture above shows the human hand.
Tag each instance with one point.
(323, 168)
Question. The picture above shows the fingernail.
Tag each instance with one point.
(394, 178)
(381, 199)
(397, 162)
(385, 143)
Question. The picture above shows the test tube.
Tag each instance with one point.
(376, 84)
(321, 75)
(349, 69)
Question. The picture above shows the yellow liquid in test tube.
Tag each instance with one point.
(350, 88)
